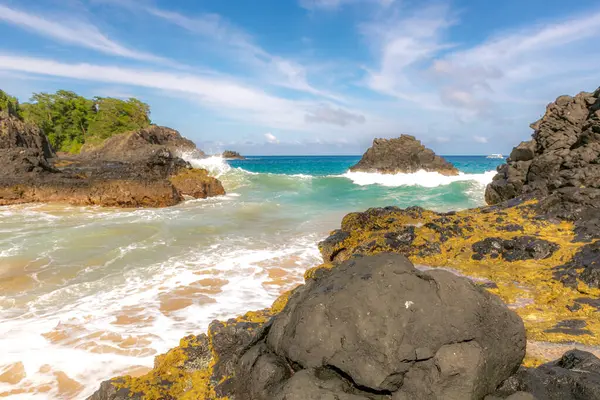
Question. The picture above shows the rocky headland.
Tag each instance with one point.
(415, 304)
(232, 155)
(561, 159)
(142, 168)
(403, 155)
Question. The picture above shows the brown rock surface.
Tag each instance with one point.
(405, 154)
(133, 169)
(233, 155)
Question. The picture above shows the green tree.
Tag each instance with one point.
(9, 104)
(114, 116)
(70, 120)
(63, 116)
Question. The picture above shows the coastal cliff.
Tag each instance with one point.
(369, 325)
(562, 157)
(403, 155)
(134, 169)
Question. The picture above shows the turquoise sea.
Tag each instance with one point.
(89, 293)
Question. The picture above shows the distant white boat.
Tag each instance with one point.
(495, 156)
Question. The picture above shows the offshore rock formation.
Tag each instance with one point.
(563, 155)
(233, 155)
(135, 169)
(405, 154)
(373, 328)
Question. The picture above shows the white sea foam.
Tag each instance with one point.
(420, 178)
(215, 165)
(91, 305)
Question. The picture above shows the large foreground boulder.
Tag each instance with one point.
(405, 154)
(563, 153)
(377, 325)
(371, 328)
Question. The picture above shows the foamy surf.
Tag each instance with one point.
(88, 293)
(420, 178)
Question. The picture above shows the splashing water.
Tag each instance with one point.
(89, 293)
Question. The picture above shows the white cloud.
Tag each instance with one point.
(72, 32)
(518, 66)
(480, 139)
(228, 37)
(271, 138)
(405, 41)
(222, 94)
(325, 113)
(335, 4)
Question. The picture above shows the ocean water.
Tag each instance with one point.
(87, 293)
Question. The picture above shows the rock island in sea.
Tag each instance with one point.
(367, 324)
(403, 155)
(232, 155)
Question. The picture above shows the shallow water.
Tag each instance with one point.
(88, 293)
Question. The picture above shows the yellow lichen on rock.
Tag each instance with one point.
(447, 240)
(176, 375)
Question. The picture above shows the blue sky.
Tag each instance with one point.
(312, 76)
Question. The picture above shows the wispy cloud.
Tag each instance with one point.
(418, 62)
(505, 67)
(406, 40)
(225, 95)
(72, 32)
(335, 4)
(325, 113)
(230, 38)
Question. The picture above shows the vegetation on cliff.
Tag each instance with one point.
(8, 104)
(70, 120)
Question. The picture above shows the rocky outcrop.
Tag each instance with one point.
(16, 134)
(135, 169)
(197, 183)
(137, 144)
(575, 376)
(232, 155)
(372, 328)
(539, 264)
(405, 154)
(564, 153)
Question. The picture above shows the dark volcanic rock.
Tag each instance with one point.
(517, 248)
(571, 327)
(564, 152)
(232, 155)
(137, 144)
(16, 134)
(575, 376)
(377, 328)
(402, 155)
(135, 169)
(585, 265)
